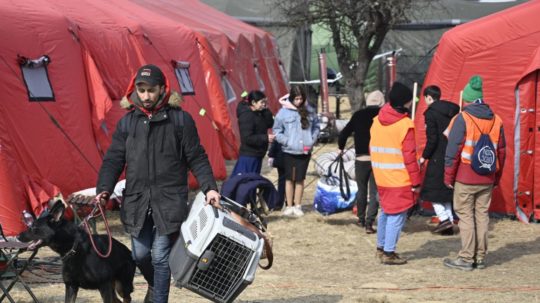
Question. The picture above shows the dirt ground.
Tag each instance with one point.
(330, 259)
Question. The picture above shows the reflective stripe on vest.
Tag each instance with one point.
(386, 149)
(473, 134)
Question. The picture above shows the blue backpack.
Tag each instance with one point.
(484, 156)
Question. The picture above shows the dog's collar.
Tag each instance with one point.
(71, 252)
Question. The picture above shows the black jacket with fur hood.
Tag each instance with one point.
(253, 127)
(156, 154)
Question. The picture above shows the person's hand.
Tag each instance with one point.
(284, 98)
(213, 198)
(103, 197)
(340, 152)
(449, 186)
(271, 138)
(270, 162)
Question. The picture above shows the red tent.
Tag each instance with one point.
(245, 55)
(139, 36)
(47, 135)
(503, 48)
(60, 100)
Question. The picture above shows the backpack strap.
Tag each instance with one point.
(472, 119)
(177, 117)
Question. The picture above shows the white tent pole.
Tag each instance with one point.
(415, 89)
(460, 100)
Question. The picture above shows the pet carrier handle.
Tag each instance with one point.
(239, 209)
(249, 220)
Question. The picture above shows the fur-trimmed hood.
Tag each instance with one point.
(174, 99)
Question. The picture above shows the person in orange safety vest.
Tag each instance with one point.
(472, 191)
(395, 168)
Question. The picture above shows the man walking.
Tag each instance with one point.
(156, 142)
(472, 186)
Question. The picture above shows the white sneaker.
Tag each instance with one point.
(289, 211)
(297, 210)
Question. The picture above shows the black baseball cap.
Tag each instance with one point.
(150, 74)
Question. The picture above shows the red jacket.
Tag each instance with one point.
(397, 197)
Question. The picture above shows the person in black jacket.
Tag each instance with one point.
(156, 153)
(254, 120)
(360, 124)
(437, 118)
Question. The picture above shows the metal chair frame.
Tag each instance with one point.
(10, 251)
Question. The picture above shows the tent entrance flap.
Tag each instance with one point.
(527, 148)
(536, 152)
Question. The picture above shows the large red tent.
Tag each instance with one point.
(503, 48)
(89, 50)
(245, 55)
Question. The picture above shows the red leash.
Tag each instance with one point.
(97, 211)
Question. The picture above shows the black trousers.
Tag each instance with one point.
(365, 179)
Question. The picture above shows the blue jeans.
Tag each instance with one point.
(388, 230)
(151, 253)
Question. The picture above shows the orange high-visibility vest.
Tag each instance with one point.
(386, 150)
(474, 131)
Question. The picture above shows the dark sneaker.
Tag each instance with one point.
(360, 223)
(448, 232)
(149, 297)
(443, 225)
(393, 259)
(480, 264)
(379, 254)
(458, 263)
(370, 229)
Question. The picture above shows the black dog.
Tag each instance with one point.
(81, 265)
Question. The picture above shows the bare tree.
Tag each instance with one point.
(358, 29)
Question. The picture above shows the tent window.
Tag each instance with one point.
(184, 79)
(228, 89)
(36, 78)
(259, 79)
(283, 72)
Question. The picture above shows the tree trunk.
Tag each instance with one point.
(355, 85)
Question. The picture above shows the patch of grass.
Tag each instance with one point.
(374, 300)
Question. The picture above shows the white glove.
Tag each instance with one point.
(270, 162)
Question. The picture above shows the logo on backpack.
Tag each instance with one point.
(484, 157)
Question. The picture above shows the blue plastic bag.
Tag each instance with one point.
(328, 196)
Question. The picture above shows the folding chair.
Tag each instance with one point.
(14, 266)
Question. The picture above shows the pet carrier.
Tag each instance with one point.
(214, 256)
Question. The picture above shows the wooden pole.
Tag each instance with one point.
(460, 100)
(415, 89)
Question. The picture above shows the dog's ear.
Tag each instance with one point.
(57, 210)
